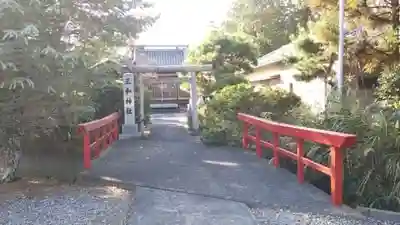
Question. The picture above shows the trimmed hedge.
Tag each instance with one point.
(218, 122)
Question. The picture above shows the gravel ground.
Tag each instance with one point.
(76, 205)
(67, 205)
(265, 216)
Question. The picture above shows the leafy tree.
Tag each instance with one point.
(229, 53)
(316, 48)
(373, 48)
(53, 53)
(269, 23)
(389, 86)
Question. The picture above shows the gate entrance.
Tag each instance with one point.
(165, 87)
(163, 81)
(167, 92)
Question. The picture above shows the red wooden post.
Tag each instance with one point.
(110, 132)
(113, 136)
(106, 137)
(116, 130)
(275, 149)
(101, 133)
(336, 140)
(86, 150)
(97, 145)
(258, 142)
(245, 142)
(300, 164)
(336, 158)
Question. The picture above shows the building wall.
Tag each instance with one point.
(166, 87)
(265, 72)
(311, 93)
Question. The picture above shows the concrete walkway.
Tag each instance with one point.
(177, 180)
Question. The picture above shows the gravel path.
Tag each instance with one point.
(67, 205)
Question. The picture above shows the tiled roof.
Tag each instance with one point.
(277, 55)
(160, 57)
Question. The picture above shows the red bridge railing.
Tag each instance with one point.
(97, 136)
(336, 141)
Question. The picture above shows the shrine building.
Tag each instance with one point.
(165, 87)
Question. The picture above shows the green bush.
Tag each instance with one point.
(372, 174)
(109, 99)
(371, 167)
(223, 80)
(218, 122)
(389, 86)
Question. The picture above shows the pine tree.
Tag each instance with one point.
(371, 50)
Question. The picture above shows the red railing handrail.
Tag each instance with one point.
(96, 124)
(331, 138)
(104, 131)
(335, 140)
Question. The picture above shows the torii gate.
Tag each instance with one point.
(134, 68)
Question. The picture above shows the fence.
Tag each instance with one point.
(97, 136)
(336, 141)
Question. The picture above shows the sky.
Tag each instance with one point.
(184, 21)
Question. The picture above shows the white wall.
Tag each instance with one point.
(311, 93)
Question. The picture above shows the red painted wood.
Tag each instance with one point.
(258, 143)
(245, 135)
(96, 124)
(337, 141)
(331, 138)
(86, 151)
(337, 175)
(97, 136)
(275, 148)
(300, 164)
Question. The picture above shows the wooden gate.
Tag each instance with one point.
(167, 90)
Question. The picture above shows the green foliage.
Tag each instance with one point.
(223, 80)
(372, 175)
(269, 23)
(229, 53)
(218, 117)
(219, 81)
(389, 87)
(374, 47)
(371, 172)
(109, 99)
(54, 54)
(371, 167)
(315, 54)
(147, 108)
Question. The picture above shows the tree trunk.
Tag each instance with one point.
(12, 159)
(395, 26)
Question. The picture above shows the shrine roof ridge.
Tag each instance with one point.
(161, 47)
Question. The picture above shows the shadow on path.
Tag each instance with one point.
(178, 178)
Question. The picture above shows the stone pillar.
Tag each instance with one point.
(130, 127)
(141, 87)
(193, 102)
